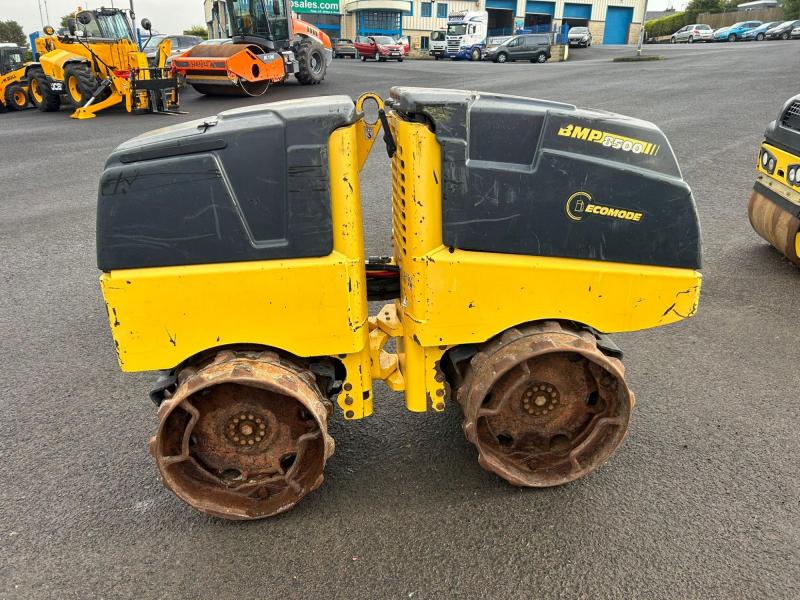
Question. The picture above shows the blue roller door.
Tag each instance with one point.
(502, 4)
(578, 11)
(618, 24)
(540, 8)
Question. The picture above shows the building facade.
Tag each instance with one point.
(610, 21)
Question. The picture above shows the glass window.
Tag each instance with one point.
(114, 26)
(456, 29)
(426, 9)
(152, 42)
(514, 42)
(249, 17)
(91, 29)
(424, 42)
(380, 22)
(441, 10)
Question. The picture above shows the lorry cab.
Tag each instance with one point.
(466, 35)
(438, 43)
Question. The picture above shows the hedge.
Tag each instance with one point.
(668, 25)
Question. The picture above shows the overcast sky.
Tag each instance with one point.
(168, 16)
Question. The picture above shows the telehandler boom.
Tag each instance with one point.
(232, 251)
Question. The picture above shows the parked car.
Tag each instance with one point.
(405, 42)
(735, 31)
(698, 32)
(180, 44)
(782, 31)
(760, 32)
(534, 47)
(796, 32)
(378, 47)
(438, 43)
(580, 36)
(344, 47)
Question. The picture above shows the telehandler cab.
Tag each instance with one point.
(774, 208)
(13, 87)
(99, 66)
(232, 252)
(268, 46)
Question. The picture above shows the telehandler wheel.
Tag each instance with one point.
(40, 93)
(15, 97)
(543, 404)
(312, 63)
(80, 83)
(244, 436)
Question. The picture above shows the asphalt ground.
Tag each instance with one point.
(701, 501)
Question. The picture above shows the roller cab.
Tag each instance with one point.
(774, 208)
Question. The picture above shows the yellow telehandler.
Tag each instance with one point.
(523, 233)
(100, 66)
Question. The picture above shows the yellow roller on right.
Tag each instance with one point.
(774, 208)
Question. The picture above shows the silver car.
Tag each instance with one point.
(580, 36)
(698, 32)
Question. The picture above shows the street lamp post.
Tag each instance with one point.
(641, 32)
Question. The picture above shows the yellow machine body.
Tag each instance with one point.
(160, 317)
(453, 297)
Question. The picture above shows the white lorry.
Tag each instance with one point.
(466, 34)
(438, 43)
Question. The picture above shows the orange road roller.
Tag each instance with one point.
(523, 233)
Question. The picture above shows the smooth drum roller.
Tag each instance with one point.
(544, 405)
(776, 225)
(244, 436)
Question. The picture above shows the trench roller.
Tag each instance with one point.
(774, 208)
(510, 265)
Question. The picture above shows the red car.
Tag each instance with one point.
(405, 43)
(379, 47)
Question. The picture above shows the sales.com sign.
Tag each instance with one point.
(325, 7)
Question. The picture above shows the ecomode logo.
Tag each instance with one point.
(581, 204)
